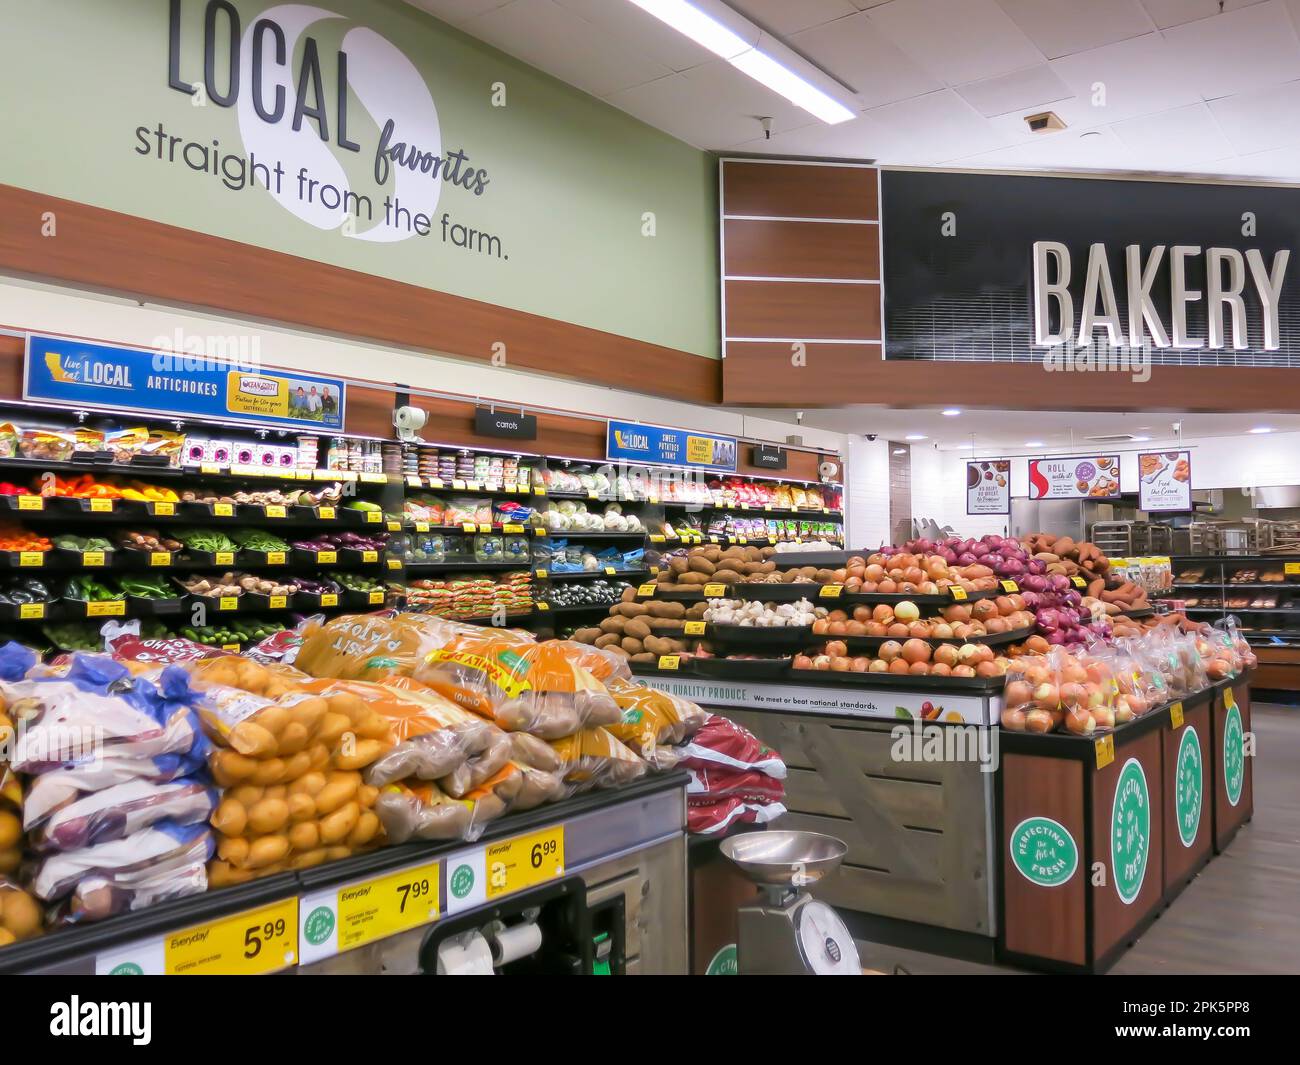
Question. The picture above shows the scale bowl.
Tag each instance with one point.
(785, 859)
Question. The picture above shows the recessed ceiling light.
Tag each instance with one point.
(951, 412)
(1033, 443)
(914, 436)
(709, 32)
(1262, 429)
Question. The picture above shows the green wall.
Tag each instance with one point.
(569, 177)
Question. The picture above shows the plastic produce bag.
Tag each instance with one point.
(57, 788)
(721, 742)
(154, 852)
(595, 758)
(96, 897)
(376, 646)
(715, 818)
(421, 810)
(121, 811)
(652, 721)
(20, 914)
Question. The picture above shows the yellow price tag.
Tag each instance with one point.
(1105, 750)
(279, 602)
(223, 558)
(653, 570)
(390, 904)
(669, 661)
(326, 558)
(435, 482)
(469, 527)
(541, 574)
(646, 589)
(230, 647)
(610, 571)
(101, 506)
(275, 510)
(114, 608)
(1010, 587)
(653, 500)
(376, 598)
(247, 944)
(1078, 581)
(543, 606)
(160, 558)
(325, 475)
(657, 538)
(485, 527)
(369, 556)
(329, 599)
(92, 558)
(326, 513)
(1292, 569)
(228, 602)
(1176, 715)
(275, 558)
(512, 530)
(223, 510)
(31, 558)
(209, 469)
(768, 506)
(538, 490)
(30, 611)
(394, 563)
(473, 486)
(458, 485)
(412, 481)
(422, 526)
(957, 592)
(695, 628)
(714, 591)
(592, 494)
(524, 861)
(347, 475)
(831, 591)
(742, 539)
(164, 509)
(374, 478)
(31, 502)
(1229, 699)
(373, 517)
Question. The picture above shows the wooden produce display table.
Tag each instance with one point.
(1097, 836)
(1233, 765)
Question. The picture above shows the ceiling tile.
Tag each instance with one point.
(1173, 139)
(930, 129)
(655, 40)
(457, 12)
(856, 140)
(1239, 50)
(1260, 120)
(1020, 90)
(782, 16)
(1280, 164)
(1166, 13)
(561, 43)
(1140, 76)
(735, 103)
(1063, 27)
(854, 51)
(956, 40)
(1066, 151)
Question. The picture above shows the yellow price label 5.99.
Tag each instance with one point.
(249, 943)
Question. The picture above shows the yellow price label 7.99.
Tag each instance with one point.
(385, 906)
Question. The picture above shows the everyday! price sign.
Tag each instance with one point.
(1165, 481)
(1089, 477)
(368, 910)
(988, 487)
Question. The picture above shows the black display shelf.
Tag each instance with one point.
(760, 636)
(544, 534)
(464, 567)
(630, 575)
(742, 668)
(993, 639)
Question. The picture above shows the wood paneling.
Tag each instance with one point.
(763, 248)
(802, 310)
(1229, 817)
(120, 253)
(762, 375)
(1183, 860)
(799, 191)
(1043, 921)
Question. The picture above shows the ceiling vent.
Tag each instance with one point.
(1046, 122)
(1114, 438)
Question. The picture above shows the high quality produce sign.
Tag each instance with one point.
(1091, 477)
(988, 487)
(669, 447)
(1165, 481)
(82, 374)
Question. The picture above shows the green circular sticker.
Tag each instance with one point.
(724, 963)
(127, 968)
(1130, 831)
(1189, 786)
(1044, 851)
(462, 881)
(319, 925)
(1234, 755)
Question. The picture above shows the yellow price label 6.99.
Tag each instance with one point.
(524, 861)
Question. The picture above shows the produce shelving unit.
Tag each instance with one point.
(626, 847)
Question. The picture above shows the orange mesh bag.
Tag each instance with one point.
(523, 686)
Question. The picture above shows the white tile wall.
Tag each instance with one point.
(867, 493)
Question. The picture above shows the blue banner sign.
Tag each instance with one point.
(634, 442)
(82, 374)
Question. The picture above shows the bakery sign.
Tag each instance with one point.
(988, 487)
(344, 137)
(1086, 477)
(1165, 481)
(1242, 293)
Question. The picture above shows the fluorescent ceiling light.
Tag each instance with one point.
(1141, 439)
(764, 69)
(914, 436)
(709, 33)
(1033, 443)
(703, 30)
(1262, 429)
(951, 412)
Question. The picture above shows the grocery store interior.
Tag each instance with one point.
(666, 487)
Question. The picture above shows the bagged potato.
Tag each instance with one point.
(163, 854)
(374, 646)
(523, 687)
(117, 812)
(595, 758)
(421, 810)
(653, 720)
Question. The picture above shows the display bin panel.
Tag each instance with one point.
(1188, 805)
(1234, 788)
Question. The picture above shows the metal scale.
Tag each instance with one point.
(790, 933)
